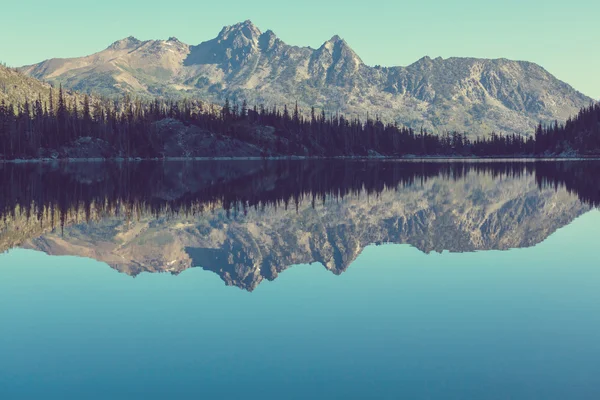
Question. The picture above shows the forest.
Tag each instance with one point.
(128, 128)
(78, 191)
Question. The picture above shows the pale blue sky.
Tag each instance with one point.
(561, 36)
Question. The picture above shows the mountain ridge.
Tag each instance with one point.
(242, 62)
(249, 220)
(476, 214)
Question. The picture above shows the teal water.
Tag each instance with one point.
(516, 324)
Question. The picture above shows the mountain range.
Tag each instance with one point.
(242, 63)
(476, 214)
(248, 221)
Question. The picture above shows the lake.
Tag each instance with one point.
(300, 280)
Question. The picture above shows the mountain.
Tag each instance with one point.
(247, 221)
(466, 94)
(471, 215)
(16, 87)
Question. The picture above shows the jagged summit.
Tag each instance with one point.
(126, 43)
(243, 30)
(341, 50)
(478, 96)
(335, 41)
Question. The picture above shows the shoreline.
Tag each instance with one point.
(299, 158)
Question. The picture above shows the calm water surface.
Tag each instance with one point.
(274, 280)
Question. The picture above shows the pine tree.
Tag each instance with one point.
(61, 118)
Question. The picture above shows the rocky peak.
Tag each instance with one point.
(173, 39)
(127, 43)
(334, 39)
(424, 63)
(232, 47)
(268, 40)
(335, 62)
(160, 49)
(240, 35)
(340, 51)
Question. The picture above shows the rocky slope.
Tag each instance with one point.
(16, 87)
(466, 94)
(474, 213)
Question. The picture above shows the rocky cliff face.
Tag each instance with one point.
(474, 213)
(465, 94)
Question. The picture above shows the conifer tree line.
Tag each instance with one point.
(130, 190)
(128, 128)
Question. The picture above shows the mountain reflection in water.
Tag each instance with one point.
(249, 220)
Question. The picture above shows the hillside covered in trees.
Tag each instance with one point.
(16, 88)
(57, 124)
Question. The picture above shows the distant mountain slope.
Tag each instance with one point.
(16, 87)
(475, 95)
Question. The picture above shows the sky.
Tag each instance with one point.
(562, 36)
